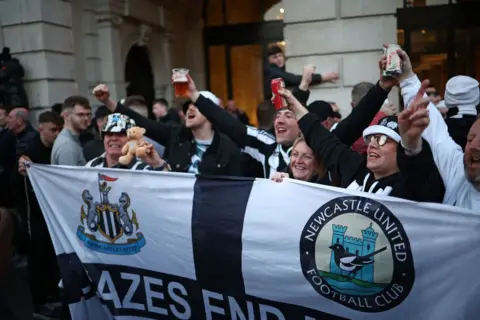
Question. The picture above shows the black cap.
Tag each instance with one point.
(102, 112)
(389, 122)
(322, 109)
(387, 125)
(185, 106)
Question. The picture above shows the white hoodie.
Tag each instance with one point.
(447, 154)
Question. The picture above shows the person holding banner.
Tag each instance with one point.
(114, 135)
(459, 170)
(381, 172)
(194, 147)
(305, 166)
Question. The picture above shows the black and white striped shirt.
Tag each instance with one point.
(263, 147)
(100, 162)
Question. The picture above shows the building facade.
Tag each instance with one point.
(69, 46)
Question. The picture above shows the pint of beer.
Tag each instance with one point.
(180, 82)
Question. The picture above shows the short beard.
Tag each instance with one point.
(475, 181)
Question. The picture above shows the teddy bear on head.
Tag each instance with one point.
(133, 149)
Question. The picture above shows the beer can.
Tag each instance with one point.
(394, 62)
(278, 101)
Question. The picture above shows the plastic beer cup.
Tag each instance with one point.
(180, 82)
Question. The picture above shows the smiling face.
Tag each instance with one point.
(193, 117)
(278, 59)
(302, 162)
(286, 127)
(113, 143)
(381, 155)
(471, 157)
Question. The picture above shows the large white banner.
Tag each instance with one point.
(150, 245)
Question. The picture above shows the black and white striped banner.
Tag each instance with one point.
(150, 245)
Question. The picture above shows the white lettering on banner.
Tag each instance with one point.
(127, 300)
(236, 311)
(172, 287)
(153, 294)
(209, 308)
(108, 292)
(357, 287)
(266, 310)
(106, 282)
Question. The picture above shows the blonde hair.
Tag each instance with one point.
(319, 167)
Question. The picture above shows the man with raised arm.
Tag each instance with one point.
(460, 170)
(273, 152)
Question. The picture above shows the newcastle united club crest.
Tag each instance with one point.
(107, 227)
(354, 251)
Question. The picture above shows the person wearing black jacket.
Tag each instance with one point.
(276, 69)
(194, 147)
(384, 171)
(273, 152)
(42, 264)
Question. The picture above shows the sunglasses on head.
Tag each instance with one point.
(380, 139)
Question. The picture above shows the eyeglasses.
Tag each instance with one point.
(83, 115)
(432, 94)
(380, 139)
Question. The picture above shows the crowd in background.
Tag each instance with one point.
(429, 151)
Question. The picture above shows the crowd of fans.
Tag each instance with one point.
(428, 152)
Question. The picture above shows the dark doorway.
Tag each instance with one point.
(139, 75)
(441, 40)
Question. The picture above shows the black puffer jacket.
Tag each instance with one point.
(222, 157)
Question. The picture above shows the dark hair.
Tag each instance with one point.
(50, 116)
(265, 114)
(338, 115)
(102, 112)
(72, 101)
(360, 90)
(134, 100)
(57, 107)
(272, 50)
(161, 101)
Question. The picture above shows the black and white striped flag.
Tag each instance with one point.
(151, 245)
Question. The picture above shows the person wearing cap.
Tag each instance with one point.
(324, 112)
(114, 134)
(194, 147)
(94, 148)
(381, 172)
(460, 170)
(462, 96)
(276, 69)
(273, 151)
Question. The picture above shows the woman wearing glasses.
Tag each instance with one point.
(384, 170)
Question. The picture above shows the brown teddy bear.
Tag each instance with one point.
(132, 148)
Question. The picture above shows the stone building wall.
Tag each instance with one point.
(345, 36)
(67, 47)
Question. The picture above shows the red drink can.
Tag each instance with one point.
(278, 101)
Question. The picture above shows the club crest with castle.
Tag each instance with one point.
(107, 227)
(354, 251)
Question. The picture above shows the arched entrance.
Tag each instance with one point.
(139, 75)
(236, 37)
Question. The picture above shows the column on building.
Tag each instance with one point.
(85, 31)
(344, 36)
(110, 53)
(39, 34)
